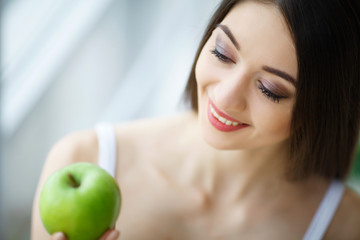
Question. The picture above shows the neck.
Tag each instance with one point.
(247, 170)
(242, 174)
(254, 180)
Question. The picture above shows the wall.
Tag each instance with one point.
(138, 49)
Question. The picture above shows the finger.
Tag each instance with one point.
(58, 236)
(111, 235)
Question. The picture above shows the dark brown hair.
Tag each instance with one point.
(326, 115)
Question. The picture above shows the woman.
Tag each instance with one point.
(262, 155)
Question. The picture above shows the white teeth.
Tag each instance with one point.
(222, 119)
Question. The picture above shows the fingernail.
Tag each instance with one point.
(114, 235)
(58, 236)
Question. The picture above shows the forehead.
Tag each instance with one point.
(262, 33)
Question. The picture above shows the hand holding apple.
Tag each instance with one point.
(81, 200)
(111, 234)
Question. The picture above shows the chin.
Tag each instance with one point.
(214, 138)
(222, 143)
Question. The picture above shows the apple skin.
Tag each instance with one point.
(82, 212)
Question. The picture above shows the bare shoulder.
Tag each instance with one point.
(75, 147)
(80, 146)
(153, 130)
(351, 213)
(153, 140)
(150, 125)
(345, 224)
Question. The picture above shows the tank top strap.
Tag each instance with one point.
(107, 147)
(325, 212)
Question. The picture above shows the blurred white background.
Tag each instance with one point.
(69, 64)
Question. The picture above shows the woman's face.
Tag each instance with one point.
(246, 76)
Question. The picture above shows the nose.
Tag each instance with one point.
(232, 91)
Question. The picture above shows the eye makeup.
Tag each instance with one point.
(271, 90)
(220, 56)
(222, 51)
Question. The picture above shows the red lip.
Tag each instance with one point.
(219, 125)
(222, 114)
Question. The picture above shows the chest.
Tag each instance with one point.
(156, 207)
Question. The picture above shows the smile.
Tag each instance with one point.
(222, 121)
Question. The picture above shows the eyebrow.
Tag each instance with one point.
(227, 31)
(275, 71)
(280, 73)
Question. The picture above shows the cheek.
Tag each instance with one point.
(200, 71)
(274, 122)
(206, 71)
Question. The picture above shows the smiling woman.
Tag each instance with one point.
(243, 79)
(324, 121)
(266, 148)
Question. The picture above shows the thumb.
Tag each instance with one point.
(111, 235)
(58, 236)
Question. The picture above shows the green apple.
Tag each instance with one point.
(82, 200)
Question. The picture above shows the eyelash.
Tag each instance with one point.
(275, 98)
(221, 57)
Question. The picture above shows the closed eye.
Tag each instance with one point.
(221, 56)
(272, 96)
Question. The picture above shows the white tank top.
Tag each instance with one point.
(317, 227)
(107, 147)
